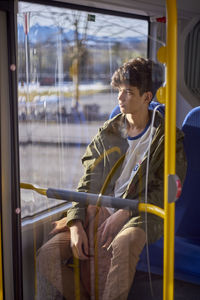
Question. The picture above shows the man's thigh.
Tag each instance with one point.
(56, 251)
(126, 249)
(55, 267)
(129, 240)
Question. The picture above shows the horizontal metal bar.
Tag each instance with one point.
(152, 209)
(94, 199)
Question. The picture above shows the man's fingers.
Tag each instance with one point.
(108, 242)
(53, 231)
(79, 241)
(78, 253)
(85, 247)
(104, 233)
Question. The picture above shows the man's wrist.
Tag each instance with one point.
(73, 222)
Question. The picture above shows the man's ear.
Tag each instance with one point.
(148, 96)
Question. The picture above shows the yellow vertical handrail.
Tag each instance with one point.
(170, 148)
(1, 266)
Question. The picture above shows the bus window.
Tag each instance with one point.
(66, 58)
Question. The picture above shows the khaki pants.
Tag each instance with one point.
(107, 275)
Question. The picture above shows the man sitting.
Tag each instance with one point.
(108, 242)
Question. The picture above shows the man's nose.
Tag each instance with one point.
(121, 96)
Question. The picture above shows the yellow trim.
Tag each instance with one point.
(161, 94)
(106, 182)
(162, 54)
(170, 149)
(28, 186)
(152, 209)
(77, 278)
(1, 266)
(106, 152)
(110, 174)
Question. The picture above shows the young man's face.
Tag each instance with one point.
(130, 100)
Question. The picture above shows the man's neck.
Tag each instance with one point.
(137, 123)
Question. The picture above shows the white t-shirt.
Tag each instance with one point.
(138, 146)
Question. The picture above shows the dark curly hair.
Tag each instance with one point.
(145, 74)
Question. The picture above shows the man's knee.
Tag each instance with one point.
(55, 250)
(46, 256)
(130, 239)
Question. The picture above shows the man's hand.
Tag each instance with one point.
(59, 226)
(111, 226)
(79, 240)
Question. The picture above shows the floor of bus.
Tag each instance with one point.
(141, 288)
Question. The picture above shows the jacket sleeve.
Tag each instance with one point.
(91, 181)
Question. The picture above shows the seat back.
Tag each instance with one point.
(188, 205)
(187, 232)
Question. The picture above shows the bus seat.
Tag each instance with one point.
(187, 230)
(187, 225)
(188, 206)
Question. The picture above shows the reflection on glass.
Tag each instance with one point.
(66, 59)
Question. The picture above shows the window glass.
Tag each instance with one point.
(192, 61)
(65, 62)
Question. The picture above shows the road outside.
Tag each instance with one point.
(50, 154)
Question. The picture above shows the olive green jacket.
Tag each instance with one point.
(108, 146)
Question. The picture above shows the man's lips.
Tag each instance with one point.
(122, 105)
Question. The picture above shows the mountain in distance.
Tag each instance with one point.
(43, 34)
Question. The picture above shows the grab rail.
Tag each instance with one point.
(95, 199)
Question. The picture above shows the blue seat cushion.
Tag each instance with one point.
(187, 259)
